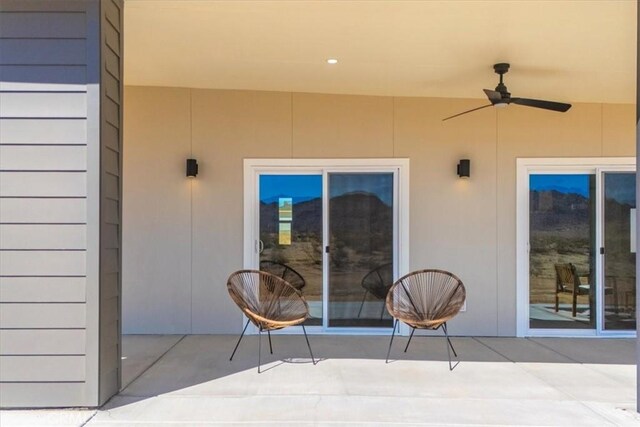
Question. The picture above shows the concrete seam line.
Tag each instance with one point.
(554, 350)
(145, 371)
(492, 349)
(90, 418)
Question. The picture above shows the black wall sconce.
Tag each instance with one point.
(464, 168)
(192, 168)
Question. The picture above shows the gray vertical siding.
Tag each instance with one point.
(110, 197)
(59, 209)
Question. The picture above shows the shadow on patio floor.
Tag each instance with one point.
(500, 381)
(155, 365)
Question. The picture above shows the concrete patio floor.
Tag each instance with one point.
(188, 380)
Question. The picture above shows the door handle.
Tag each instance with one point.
(260, 246)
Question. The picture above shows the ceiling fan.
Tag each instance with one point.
(501, 97)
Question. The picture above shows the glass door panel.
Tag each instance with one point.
(361, 248)
(619, 250)
(562, 232)
(291, 234)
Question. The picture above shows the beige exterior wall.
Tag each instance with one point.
(182, 238)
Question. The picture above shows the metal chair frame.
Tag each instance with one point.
(313, 360)
(413, 329)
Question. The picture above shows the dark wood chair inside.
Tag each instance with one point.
(568, 281)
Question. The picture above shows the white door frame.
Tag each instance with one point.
(400, 167)
(525, 167)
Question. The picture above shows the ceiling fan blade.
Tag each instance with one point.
(468, 111)
(493, 95)
(537, 103)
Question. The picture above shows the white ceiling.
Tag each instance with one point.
(571, 51)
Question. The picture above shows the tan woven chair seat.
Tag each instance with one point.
(270, 320)
(417, 321)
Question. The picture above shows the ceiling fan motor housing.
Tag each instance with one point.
(501, 69)
(503, 91)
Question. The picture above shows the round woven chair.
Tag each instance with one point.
(285, 272)
(269, 302)
(426, 299)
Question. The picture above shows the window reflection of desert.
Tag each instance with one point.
(305, 257)
(562, 231)
(361, 239)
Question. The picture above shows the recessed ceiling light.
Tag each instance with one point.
(332, 61)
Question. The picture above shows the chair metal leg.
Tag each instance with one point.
(307, 339)
(395, 323)
(240, 339)
(444, 326)
(270, 348)
(259, 347)
(446, 334)
(364, 297)
(382, 311)
(409, 342)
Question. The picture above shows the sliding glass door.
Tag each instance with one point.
(333, 233)
(361, 248)
(619, 251)
(290, 243)
(580, 248)
(562, 267)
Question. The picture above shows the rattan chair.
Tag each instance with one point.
(285, 272)
(377, 282)
(269, 302)
(426, 299)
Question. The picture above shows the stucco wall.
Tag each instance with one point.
(182, 238)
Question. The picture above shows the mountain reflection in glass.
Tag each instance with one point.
(562, 270)
(620, 251)
(291, 232)
(361, 248)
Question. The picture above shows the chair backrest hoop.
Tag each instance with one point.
(426, 297)
(249, 289)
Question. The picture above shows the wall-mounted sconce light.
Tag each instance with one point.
(192, 168)
(464, 168)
